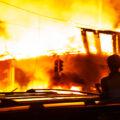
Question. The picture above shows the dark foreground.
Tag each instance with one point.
(56, 105)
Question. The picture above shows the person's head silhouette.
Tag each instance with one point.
(113, 62)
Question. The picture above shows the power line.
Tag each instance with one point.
(34, 13)
(9, 4)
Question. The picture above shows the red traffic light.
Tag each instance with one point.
(60, 65)
(56, 66)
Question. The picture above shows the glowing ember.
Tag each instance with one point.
(56, 87)
(76, 88)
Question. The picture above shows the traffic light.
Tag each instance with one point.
(56, 66)
(60, 65)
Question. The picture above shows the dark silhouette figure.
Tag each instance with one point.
(111, 84)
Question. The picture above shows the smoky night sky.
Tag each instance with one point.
(106, 11)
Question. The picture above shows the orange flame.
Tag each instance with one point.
(33, 35)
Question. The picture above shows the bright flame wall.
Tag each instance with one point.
(31, 35)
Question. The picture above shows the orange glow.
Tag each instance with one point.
(55, 30)
(64, 104)
(38, 85)
(56, 87)
(32, 35)
(42, 82)
(76, 88)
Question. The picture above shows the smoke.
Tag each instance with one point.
(87, 12)
(66, 80)
(116, 6)
(22, 78)
(79, 70)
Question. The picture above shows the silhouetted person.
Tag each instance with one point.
(111, 84)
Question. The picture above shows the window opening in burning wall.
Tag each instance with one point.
(91, 42)
(106, 43)
(78, 42)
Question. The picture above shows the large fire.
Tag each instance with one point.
(34, 30)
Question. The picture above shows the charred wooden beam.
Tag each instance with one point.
(119, 43)
(88, 29)
(97, 42)
(85, 41)
(114, 42)
(107, 31)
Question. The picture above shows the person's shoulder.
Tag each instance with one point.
(118, 73)
(104, 79)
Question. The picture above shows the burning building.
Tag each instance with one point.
(82, 33)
